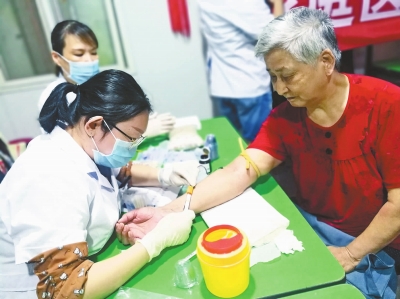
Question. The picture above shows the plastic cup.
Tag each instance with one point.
(185, 274)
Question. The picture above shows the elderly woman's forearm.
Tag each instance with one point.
(221, 186)
(383, 229)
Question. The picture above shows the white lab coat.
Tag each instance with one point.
(53, 195)
(231, 29)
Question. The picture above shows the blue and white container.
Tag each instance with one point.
(211, 143)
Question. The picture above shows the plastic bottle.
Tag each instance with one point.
(211, 143)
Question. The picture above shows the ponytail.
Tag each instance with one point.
(60, 106)
(113, 94)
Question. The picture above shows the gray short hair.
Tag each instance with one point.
(302, 32)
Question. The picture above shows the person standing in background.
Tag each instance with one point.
(239, 83)
(74, 52)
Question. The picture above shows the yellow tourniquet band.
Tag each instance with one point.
(248, 159)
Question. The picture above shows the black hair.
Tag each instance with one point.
(113, 94)
(62, 29)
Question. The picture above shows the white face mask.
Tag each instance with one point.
(80, 72)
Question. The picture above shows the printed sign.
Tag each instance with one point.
(358, 22)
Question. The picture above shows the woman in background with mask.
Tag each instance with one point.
(51, 221)
(74, 52)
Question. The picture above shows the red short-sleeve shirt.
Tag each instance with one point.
(342, 172)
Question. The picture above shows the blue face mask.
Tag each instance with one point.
(80, 72)
(121, 154)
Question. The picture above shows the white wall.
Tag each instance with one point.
(169, 68)
(19, 113)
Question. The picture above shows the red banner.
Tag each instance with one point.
(359, 22)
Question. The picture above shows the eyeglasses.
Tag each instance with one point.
(134, 141)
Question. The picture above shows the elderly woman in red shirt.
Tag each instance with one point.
(342, 136)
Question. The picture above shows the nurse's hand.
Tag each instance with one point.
(346, 260)
(160, 124)
(173, 229)
(137, 223)
(179, 173)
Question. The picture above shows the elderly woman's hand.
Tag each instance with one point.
(137, 223)
(344, 257)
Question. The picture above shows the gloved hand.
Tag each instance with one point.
(184, 138)
(178, 174)
(171, 230)
(159, 124)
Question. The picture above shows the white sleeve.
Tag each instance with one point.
(50, 211)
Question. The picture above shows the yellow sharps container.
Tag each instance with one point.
(224, 255)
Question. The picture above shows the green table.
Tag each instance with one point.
(313, 268)
(391, 65)
(342, 291)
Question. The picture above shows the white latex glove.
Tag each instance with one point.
(184, 138)
(171, 230)
(178, 174)
(159, 124)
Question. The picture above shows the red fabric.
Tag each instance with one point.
(179, 17)
(341, 172)
(184, 18)
(174, 16)
(358, 23)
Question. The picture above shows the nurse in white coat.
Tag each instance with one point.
(74, 53)
(59, 203)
